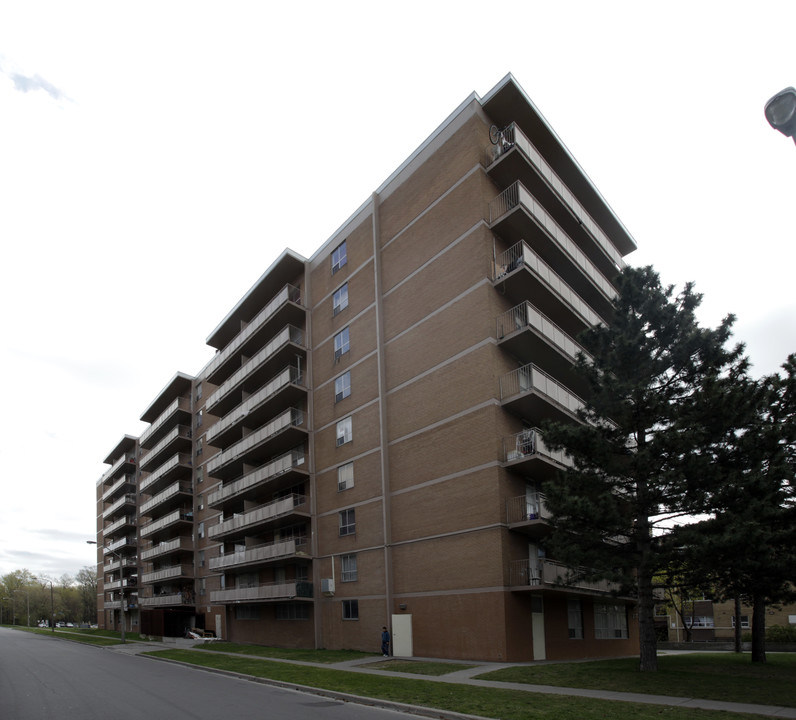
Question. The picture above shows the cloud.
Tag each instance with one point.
(31, 83)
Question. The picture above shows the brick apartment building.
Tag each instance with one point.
(362, 449)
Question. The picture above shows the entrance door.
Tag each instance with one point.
(537, 627)
(402, 635)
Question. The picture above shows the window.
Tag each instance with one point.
(201, 558)
(198, 447)
(345, 477)
(350, 609)
(247, 612)
(201, 531)
(349, 568)
(293, 611)
(339, 257)
(345, 432)
(200, 502)
(340, 299)
(199, 418)
(744, 621)
(575, 618)
(202, 587)
(341, 343)
(342, 387)
(199, 390)
(610, 621)
(348, 522)
(200, 475)
(699, 621)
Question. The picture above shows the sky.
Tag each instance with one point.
(156, 157)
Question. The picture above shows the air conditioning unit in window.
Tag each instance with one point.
(327, 587)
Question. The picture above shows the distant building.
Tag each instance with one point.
(363, 448)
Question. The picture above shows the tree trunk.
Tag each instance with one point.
(738, 646)
(759, 629)
(648, 640)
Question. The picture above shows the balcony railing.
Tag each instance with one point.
(181, 598)
(257, 554)
(118, 524)
(275, 468)
(526, 315)
(521, 255)
(526, 508)
(268, 591)
(168, 573)
(108, 474)
(259, 515)
(288, 293)
(514, 137)
(118, 485)
(288, 334)
(128, 499)
(291, 416)
(164, 469)
(531, 378)
(114, 564)
(180, 543)
(166, 520)
(289, 375)
(529, 443)
(161, 497)
(116, 544)
(180, 431)
(179, 403)
(549, 573)
(516, 195)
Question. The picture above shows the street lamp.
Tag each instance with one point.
(121, 583)
(781, 112)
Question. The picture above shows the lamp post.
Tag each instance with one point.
(121, 584)
(781, 112)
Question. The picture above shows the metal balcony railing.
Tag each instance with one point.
(513, 137)
(118, 485)
(521, 255)
(166, 520)
(128, 499)
(180, 543)
(549, 573)
(289, 417)
(288, 334)
(168, 573)
(268, 591)
(163, 495)
(258, 515)
(526, 508)
(165, 468)
(258, 553)
(531, 378)
(529, 443)
(288, 293)
(179, 403)
(180, 431)
(275, 468)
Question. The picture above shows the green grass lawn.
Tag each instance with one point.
(483, 701)
(314, 656)
(416, 667)
(712, 676)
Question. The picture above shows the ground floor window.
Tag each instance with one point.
(575, 619)
(293, 611)
(610, 621)
(247, 612)
(350, 609)
(744, 621)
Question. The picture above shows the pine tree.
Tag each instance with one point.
(646, 441)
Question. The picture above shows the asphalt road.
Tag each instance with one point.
(48, 679)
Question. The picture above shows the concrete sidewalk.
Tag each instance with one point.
(466, 676)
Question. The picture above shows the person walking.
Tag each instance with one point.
(385, 641)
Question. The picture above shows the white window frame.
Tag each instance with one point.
(345, 431)
(345, 477)
(339, 257)
(340, 299)
(342, 386)
(610, 621)
(575, 619)
(350, 609)
(348, 568)
(342, 343)
(347, 522)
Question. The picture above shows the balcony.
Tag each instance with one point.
(526, 333)
(169, 573)
(278, 352)
(251, 484)
(173, 495)
(531, 393)
(283, 307)
(528, 514)
(259, 555)
(548, 574)
(177, 545)
(125, 502)
(125, 483)
(176, 466)
(177, 439)
(526, 453)
(263, 593)
(515, 157)
(126, 521)
(173, 518)
(515, 213)
(253, 520)
(281, 391)
(258, 446)
(167, 599)
(110, 475)
(179, 408)
(116, 545)
(114, 564)
(523, 275)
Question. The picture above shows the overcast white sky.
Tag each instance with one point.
(148, 148)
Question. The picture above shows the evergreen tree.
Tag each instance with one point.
(659, 385)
